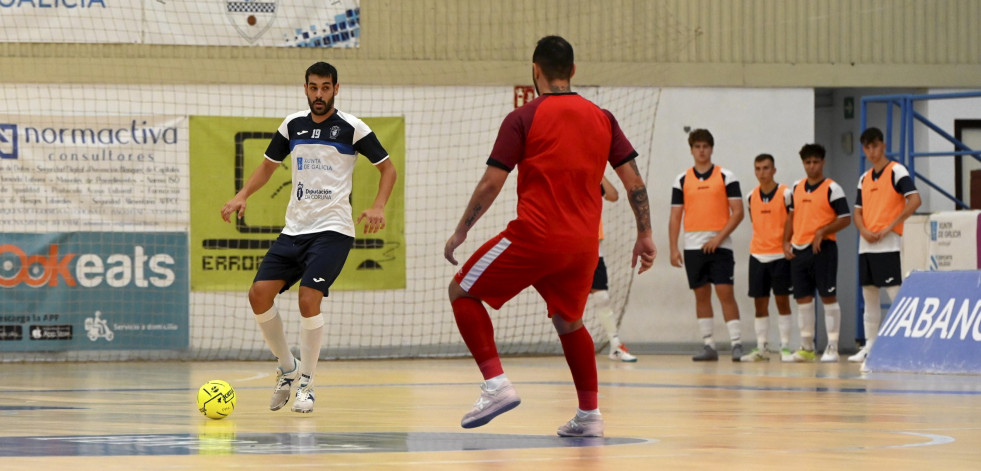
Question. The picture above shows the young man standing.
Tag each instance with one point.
(708, 198)
(319, 231)
(769, 269)
(561, 144)
(886, 198)
(819, 211)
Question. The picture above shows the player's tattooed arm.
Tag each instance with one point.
(637, 195)
(641, 207)
(483, 196)
(473, 215)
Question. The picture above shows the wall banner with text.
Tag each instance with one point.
(294, 23)
(94, 291)
(93, 173)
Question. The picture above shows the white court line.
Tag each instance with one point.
(934, 440)
(255, 377)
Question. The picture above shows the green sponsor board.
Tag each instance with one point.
(225, 256)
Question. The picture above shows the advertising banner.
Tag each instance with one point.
(93, 291)
(294, 23)
(954, 242)
(225, 256)
(93, 173)
(71, 21)
(934, 325)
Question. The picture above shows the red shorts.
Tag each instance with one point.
(501, 269)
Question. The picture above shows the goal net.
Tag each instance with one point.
(111, 243)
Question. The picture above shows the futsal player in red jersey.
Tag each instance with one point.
(560, 144)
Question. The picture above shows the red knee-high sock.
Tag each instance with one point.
(478, 333)
(581, 356)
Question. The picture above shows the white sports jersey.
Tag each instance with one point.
(324, 155)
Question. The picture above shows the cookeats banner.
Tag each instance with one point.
(225, 256)
(294, 23)
(93, 291)
(93, 173)
(933, 326)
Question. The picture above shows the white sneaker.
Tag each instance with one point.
(588, 426)
(490, 404)
(622, 354)
(830, 354)
(284, 382)
(786, 355)
(756, 355)
(860, 356)
(304, 396)
(804, 356)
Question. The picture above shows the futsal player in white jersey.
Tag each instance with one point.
(319, 233)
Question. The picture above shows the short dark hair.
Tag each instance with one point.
(870, 135)
(555, 57)
(700, 135)
(322, 69)
(762, 157)
(812, 150)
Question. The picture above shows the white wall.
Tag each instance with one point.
(745, 123)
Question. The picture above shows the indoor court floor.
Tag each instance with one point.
(664, 412)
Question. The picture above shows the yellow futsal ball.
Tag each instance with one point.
(216, 399)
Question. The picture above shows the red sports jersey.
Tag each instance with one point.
(560, 144)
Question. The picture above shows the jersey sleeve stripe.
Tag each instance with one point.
(341, 147)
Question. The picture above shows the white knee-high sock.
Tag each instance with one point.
(311, 338)
(705, 328)
(735, 331)
(784, 323)
(762, 327)
(805, 320)
(605, 313)
(271, 325)
(873, 313)
(832, 321)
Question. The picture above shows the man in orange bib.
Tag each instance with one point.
(819, 211)
(886, 198)
(708, 198)
(769, 270)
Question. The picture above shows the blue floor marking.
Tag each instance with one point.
(851, 390)
(230, 443)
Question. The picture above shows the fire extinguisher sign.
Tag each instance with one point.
(523, 94)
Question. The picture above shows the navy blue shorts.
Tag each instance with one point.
(716, 268)
(810, 271)
(315, 260)
(600, 280)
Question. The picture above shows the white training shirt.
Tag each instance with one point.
(323, 155)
